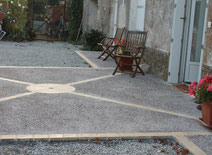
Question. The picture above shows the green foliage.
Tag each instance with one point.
(91, 39)
(75, 11)
(15, 19)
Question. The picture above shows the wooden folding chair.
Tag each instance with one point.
(108, 44)
(134, 49)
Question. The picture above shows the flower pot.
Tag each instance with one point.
(207, 114)
(126, 63)
(1, 16)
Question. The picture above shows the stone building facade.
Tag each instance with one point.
(207, 62)
(163, 19)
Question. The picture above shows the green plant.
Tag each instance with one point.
(15, 19)
(91, 38)
(75, 11)
(202, 90)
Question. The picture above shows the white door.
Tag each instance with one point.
(176, 44)
(197, 19)
(140, 14)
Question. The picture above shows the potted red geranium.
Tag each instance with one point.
(203, 92)
(126, 62)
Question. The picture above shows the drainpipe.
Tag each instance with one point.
(115, 16)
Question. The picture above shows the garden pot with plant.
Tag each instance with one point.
(203, 92)
(126, 62)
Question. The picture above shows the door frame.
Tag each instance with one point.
(176, 61)
(176, 42)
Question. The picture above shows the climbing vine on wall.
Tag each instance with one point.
(75, 11)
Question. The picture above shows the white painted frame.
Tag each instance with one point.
(190, 42)
(115, 17)
(140, 23)
(176, 44)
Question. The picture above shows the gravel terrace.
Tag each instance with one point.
(46, 88)
(96, 147)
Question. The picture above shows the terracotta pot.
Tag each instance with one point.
(126, 63)
(1, 16)
(207, 114)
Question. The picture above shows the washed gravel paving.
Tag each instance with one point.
(40, 53)
(111, 147)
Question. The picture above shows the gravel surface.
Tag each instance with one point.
(113, 147)
(40, 53)
(204, 142)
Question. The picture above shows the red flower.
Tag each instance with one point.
(122, 42)
(192, 88)
(201, 83)
(208, 78)
(209, 88)
(116, 40)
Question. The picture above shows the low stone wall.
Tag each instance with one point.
(158, 61)
(206, 70)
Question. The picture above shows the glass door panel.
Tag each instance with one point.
(198, 30)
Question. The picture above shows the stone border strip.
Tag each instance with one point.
(87, 60)
(136, 106)
(93, 79)
(178, 136)
(194, 149)
(39, 67)
(15, 81)
(16, 96)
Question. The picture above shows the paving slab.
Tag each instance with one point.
(145, 90)
(204, 142)
(68, 113)
(39, 53)
(52, 75)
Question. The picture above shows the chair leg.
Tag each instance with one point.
(106, 57)
(110, 54)
(118, 65)
(137, 67)
(101, 54)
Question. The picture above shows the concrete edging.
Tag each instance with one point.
(178, 136)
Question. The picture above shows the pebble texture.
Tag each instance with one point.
(204, 142)
(40, 53)
(112, 147)
(68, 113)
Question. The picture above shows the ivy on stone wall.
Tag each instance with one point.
(75, 12)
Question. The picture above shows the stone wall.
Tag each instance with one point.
(90, 8)
(98, 14)
(158, 22)
(207, 64)
(158, 61)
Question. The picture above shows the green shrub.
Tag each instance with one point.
(15, 20)
(91, 38)
(75, 11)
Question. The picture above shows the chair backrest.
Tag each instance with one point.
(119, 33)
(135, 39)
